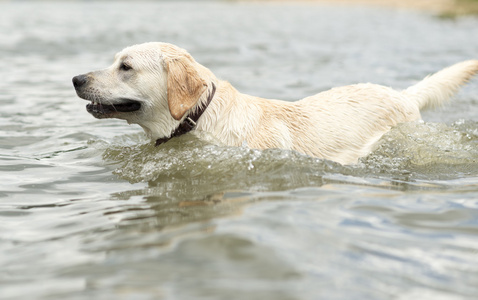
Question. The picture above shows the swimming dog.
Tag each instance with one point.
(163, 89)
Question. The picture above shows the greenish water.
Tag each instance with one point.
(89, 209)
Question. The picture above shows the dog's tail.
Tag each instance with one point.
(436, 89)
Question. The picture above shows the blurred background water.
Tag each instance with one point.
(89, 209)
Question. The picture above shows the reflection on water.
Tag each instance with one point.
(89, 209)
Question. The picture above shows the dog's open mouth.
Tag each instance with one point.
(100, 110)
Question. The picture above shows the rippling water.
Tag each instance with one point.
(89, 209)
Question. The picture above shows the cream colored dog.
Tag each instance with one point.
(163, 89)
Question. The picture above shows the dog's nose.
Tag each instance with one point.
(79, 80)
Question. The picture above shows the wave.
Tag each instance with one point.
(411, 151)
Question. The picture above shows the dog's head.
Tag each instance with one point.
(152, 84)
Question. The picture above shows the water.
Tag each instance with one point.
(89, 209)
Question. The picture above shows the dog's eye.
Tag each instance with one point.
(125, 67)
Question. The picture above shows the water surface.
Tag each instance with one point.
(89, 209)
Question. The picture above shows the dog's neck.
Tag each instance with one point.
(190, 122)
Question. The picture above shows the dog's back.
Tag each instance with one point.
(346, 122)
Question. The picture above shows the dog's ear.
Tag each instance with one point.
(185, 85)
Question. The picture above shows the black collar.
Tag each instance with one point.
(189, 123)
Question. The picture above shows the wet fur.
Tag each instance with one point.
(341, 124)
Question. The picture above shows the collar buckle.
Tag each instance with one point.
(190, 122)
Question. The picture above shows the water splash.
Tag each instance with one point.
(428, 150)
(413, 151)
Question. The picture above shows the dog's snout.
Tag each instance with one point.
(79, 80)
